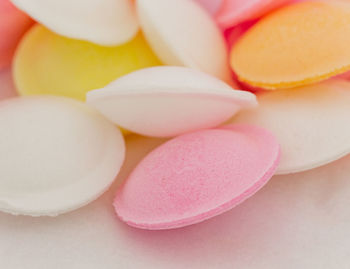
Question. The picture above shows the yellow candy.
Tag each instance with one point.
(296, 45)
(47, 63)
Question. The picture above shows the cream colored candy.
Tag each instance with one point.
(168, 101)
(56, 155)
(182, 33)
(104, 22)
(311, 123)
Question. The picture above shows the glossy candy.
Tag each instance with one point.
(46, 63)
(311, 123)
(197, 176)
(104, 22)
(168, 101)
(56, 155)
(233, 12)
(182, 33)
(13, 24)
(296, 45)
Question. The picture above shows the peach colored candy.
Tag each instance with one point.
(13, 24)
(233, 12)
(104, 22)
(311, 123)
(182, 33)
(169, 101)
(56, 155)
(297, 45)
(47, 63)
(197, 176)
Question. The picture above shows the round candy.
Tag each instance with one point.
(13, 24)
(233, 12)
(296, 45)
(197, 176)
(104, 22)
(168, 101)
(311, 123)
(182, 33)
(46, 63)
(56, 154)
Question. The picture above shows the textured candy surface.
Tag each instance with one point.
(197, 176)
(104, 22)
(56, 154)
(168, 101)
(296, 45)
(311, 123)
(182, 33)
(13, 24)
(46, 63)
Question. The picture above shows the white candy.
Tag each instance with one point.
(56, 155)
(104, 22)
(182, 33)
(168, 101)
(311, 123)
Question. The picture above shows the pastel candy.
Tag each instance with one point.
(233, 12)
(13, 24)
(296, 45)
(104, 22)
(56, 155)
(212, 6)
(182, 33)
(168, 101)
(311, 123)
(7, 89)
(197, 176)
(46, 63)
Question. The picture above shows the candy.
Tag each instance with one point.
(13, 24)
(211, 5)
(56, 154)
(197, 176)
(182, 33)
(233, 12)
(7, 89)
(168, 101)
(104, 22)
(296, 45)
(46, 63)
(310, 122)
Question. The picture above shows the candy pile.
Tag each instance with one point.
(244, 89)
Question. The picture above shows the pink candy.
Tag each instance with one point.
(197, 176)
(13, 24)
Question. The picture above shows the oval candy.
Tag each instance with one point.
(197, 176)
(47, 63)
(56, 155)
(310, 122)
(104, 22)
(168, 101)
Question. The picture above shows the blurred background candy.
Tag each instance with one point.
(169, 101)
(47, 63)
(310, 122)
(182, 33)
(104, 22)
(296, 45)
(233, 12)
(57, 154)
(211, 5)
(13, 24)
(197, 176)
(7, 87)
